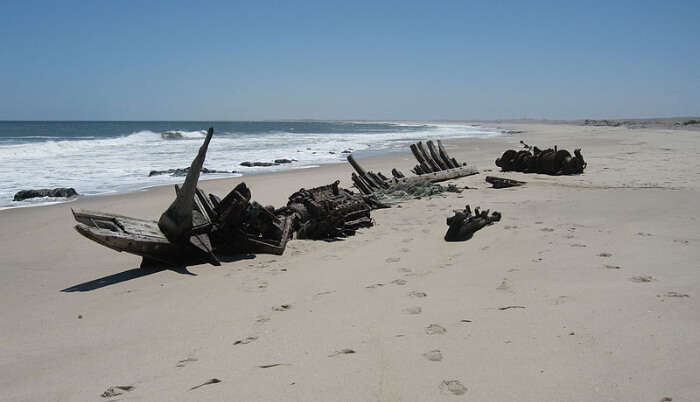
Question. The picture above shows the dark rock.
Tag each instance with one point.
(257, 164)
(183, 172)
(45, 192)
(171, 135)
(281, 161)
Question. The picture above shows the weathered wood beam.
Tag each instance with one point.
(176, 221)
(362, 173)
(436, 157)
(445, 157)
(433, 166)
(424, 168)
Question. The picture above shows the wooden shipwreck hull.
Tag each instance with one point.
(196, 228)
(434, 165)
(199, 227)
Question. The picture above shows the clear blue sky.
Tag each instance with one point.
(221, 60)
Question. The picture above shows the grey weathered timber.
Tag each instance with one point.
(433, 166)
(445, 157)
(422, 164)
(436, 157)
(176, 221)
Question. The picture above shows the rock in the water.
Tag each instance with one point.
(257, 164)
(183, 172)
(281, 161)
(171, 135)
(46, 192)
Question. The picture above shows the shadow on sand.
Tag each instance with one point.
(137, 273)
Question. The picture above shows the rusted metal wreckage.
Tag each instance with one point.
(464, 223)
(548, 161)
(199, 227)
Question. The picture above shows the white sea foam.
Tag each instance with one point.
(103, 165)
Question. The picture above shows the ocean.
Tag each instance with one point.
(114, 157)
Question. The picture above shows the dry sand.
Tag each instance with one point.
(604, 267)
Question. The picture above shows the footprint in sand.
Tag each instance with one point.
(282, 307)
(117, 390)
(433, 355)
(611, 266)
(376, 285)
(212, 381)
(183, 363)
(547, 230)
(642, 278)
(504, 285)
(509, 227)
(405, 250)
(453, 386)
(404, 270)
(392, 259)
(674, 294)
(605, 255)
(539, 223)
(644, 234)
(407, 240)
(426, 231)
(342, 352)
(578, 245)
(417, 293)
(681, 241)
(399, 282)
(246, 340)
(261, 320)
(413, 310)
(435, 329)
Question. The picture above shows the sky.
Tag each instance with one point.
(380, 60)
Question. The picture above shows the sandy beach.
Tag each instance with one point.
(588, 289)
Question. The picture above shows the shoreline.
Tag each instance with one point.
(602, 265)
(122, 184)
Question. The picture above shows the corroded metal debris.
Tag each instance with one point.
(548, 161)
(329, 212)
(463, 224)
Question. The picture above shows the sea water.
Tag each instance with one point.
(113, 157)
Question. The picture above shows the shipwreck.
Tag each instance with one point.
(199, 227)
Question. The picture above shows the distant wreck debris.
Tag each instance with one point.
(434, 165)
(199, 228)
(500, 182)
(463, 224)
(549, 161)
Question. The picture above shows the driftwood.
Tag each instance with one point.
(500, 182)
(463, 224)
(549, 161)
